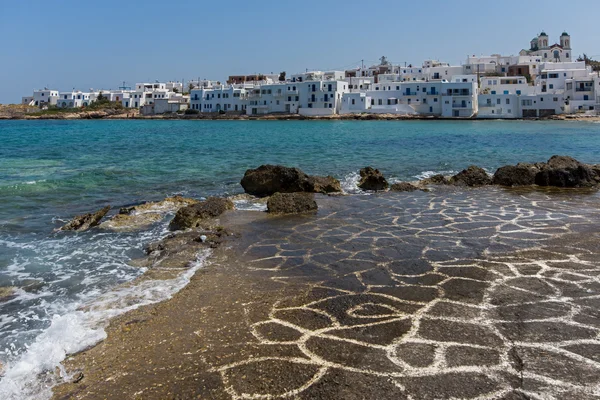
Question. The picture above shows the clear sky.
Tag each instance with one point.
(83, 44)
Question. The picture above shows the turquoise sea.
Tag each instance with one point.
(53, 170)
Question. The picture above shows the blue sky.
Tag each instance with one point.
(84, 44)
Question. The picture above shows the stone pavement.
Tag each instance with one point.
(475, 294)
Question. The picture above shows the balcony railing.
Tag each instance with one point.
(460, 105)
(292, 91)
(585, 89)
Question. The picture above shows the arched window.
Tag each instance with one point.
(556, 54)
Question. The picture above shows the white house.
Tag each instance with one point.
(41, 98)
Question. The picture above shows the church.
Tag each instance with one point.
(550, 53)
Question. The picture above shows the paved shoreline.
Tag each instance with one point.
(453, 293)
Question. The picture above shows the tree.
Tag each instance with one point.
(190, 87)
(175, 90)
(100, 97)
(588, 61)
(282, 76)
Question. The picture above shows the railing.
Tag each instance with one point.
(456, 105)
(292, 91)
(277, 94)
(584, 89)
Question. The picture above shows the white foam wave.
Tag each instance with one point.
(31, 376)
(250, 205)
(429, 174)
(350, 183)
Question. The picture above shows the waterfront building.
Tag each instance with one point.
(41, 98)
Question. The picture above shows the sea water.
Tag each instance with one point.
(53, 170)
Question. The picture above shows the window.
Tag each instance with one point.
(353, 101)
(397, 87)
(507, 101)
(555, 99)
(541, 99)
(379, 102)
(489, 102)
(551, 86)
(497, 101)
(526, 102)
(552, 76)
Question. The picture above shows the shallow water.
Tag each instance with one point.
(52, 170)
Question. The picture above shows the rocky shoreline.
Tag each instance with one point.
(190, 345)
(123, 114)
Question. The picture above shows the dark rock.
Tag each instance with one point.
(522, 174)
(324, 184)
(472, 176)
(562, 171)
(438, 179)
(403, 187)
(192, 216)
(372, 179)
(85, 221)
(268, 179)
(291, 203)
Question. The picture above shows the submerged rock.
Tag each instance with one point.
(7, 293)
(472, 176)
(193, 216)
(168, 204)
(85, 221)
(126, 222)
(291, 203)
(269, 179)
(372, 179)
(521, 174)
(562, 171)
(324, 184)
(403, 187)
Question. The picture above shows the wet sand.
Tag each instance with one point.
(485, 293)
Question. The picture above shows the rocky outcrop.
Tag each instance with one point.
(558, 171)
(324, 184)
(562, 171)
(269, 179)
(193, 216)
(522, 174)
(472, 176)
(291, 203)
(85, 221)
(438, 179)
(372, 179)
(141, 216)
(403, 187)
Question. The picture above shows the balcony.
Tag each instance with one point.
(459, 93)
(278, 94)
(460, 105)
(585, 89)
(292, 91)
